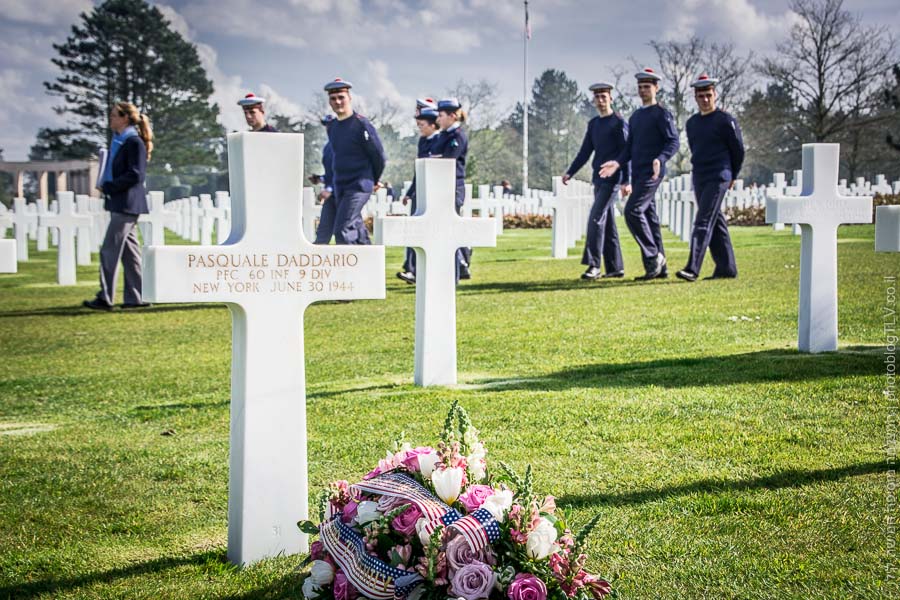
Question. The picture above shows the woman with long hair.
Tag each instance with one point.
(123, 185)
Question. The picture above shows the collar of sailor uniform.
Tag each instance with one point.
(433, 135)
(454, 126)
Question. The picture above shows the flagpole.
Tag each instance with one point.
(525, 37)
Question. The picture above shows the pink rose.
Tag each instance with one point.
(526, 587)
(349, 512)
(343, 589)
(317, 550)
(411, 460)
(405, 522)
(474, 496)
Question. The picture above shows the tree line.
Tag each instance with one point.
(831, 79)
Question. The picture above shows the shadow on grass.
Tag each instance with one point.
(555, 285)
(212, 562)
(775, 366)
(148, 408)
(80, 311)
(784, 479)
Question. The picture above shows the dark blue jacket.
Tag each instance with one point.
(717, 146)
(125, 192)
(328, 164)
(358, 154)
(651, 135)
(452, 144)
(606, 138)
(424, 150)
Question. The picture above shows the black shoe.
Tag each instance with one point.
(464, 272)
(97, 304)
(141, 305)
(407, 276)
(686, 275)
(656, 267)
(591, 273)
(613, 274)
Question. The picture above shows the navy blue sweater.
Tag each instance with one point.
(328, 163)
(452, 144)
(717, 146)
(651, 135)
(606, 138)
(424, 151)
(358, 154)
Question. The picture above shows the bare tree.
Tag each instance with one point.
(479, 99)
(833, 67)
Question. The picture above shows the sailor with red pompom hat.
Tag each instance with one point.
(255, 113)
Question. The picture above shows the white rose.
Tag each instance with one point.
(498, 504)
(424, 536)
(540, 541)
(367, 511)
(426, 464)
(321, 572)
(310, 589)
(447, 483)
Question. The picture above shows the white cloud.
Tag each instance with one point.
(44, 12)
(737, 21)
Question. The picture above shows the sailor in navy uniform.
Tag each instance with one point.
(453, 143)
(426, 121)
(358, 164)
(717, 153)
(426, 103)
(325, 229)
(255, 113)
(605, 138)
(652, 141)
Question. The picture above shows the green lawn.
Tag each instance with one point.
(724, 463)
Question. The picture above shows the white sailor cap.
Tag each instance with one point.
(704, 81)
(647, 74)
(338, 84)
(449, 104)
(426, 103)
(600, 87)
(250, 100)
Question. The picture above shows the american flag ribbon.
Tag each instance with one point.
(401, 485)
(374, 578)
(479, 528)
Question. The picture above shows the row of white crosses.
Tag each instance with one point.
(268, 272)
(571, 205)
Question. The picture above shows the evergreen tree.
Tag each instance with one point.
(125, 50)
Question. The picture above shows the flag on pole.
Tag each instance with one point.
(527, 23)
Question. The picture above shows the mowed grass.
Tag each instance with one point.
(723, 463)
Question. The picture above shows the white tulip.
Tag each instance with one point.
(321, 572)
(310, 589)
(424, 536)
(447, 483)
(426, 464)
(540, 541)
(367, 511)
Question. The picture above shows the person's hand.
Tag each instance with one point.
(324, 195)
(608, 168)
(566, 178)
(405, 200)
(656, 166)
(625, 190)
(377, 187)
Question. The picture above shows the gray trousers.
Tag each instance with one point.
(120, 243)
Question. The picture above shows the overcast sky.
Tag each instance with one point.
(395, 49)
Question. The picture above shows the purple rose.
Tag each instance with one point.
(343, 589)
(474, 496)
(411, 460)
(349, 512)
(460, 554)
(317, 550)
(473, 582)
(526, 586)
(405, 522)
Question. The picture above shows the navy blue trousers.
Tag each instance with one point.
(602, 235)
(711, 230)
(463, 255)
(326, 221)
(348, 222)
(641, 217)
(409, 265)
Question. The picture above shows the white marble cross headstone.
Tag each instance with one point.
(43, 239)
(66, 222)
(819, 210)
(153, 224)
(8, 256)
(436, 231)
(84, 242)
(22, 221)
(267, 273)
